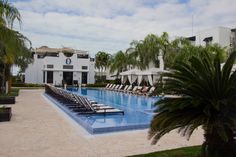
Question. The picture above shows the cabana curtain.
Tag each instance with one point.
(147, 75)
(134, 78)
(150, 80)
(125, 79)
(130, 79)
(140, 78)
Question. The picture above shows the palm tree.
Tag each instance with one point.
(8, 14)
(14, 46)
(175, 48)
(119, 62)
(102, 61)
(186, 51)
(147, 51)
(208, 100)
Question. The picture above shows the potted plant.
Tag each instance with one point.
(5, 114)
(7, 100)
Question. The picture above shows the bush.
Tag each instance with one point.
(26, 85)
(13, 92)
(96, 85)
(193, 151)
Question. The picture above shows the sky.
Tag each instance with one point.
(111, 25)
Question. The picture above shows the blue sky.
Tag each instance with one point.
(110, 25)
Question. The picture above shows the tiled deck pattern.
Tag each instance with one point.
(38, 128)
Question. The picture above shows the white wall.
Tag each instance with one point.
(91, 74)
(34, 72)
(221, 35)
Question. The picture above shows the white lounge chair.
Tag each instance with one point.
(107, 85)
(151, 90)
(129, 88)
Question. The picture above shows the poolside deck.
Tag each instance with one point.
(38, 129)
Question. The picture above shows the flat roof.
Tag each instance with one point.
(46, 49)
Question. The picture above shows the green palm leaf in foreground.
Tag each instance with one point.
(208, 99)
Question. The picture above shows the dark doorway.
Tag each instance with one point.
(84, 77)
(49, 76)
(68, 77)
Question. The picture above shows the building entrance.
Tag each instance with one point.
(49, 76)
(68, 77)
(84, 77)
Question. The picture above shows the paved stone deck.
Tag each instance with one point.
(39, 129)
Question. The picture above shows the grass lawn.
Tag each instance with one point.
(180, 152)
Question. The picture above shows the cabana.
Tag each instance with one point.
(150, 75)
(131, 75)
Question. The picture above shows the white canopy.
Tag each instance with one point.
(129, 72)
(151, 71)
(147, 75)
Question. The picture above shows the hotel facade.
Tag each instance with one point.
(219, 35)
(60, 65)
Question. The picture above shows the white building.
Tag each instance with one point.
(221, 35)
(55, 65)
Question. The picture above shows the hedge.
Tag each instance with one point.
(26, 85)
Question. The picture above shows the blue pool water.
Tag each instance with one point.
(138, 111)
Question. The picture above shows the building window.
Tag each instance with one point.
(84, 67)
(50, 66)
(52, 54)
(86, 56)
(67, 66)
(68, 54)
(40, 56)
(84, 77)
(92, 59)
(208, 40)
(48, 54)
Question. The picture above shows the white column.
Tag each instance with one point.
(161, 62)
(46, 74)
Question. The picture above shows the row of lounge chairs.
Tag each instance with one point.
(139, 90)
(79, 104)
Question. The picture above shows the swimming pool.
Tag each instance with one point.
(138, 111)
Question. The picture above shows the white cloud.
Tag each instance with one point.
(111, 25)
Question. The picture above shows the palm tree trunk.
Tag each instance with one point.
(224, 148)
(2, 83)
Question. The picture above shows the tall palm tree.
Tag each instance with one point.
(208, 100)
(102, 61)
(14, 46)
(8, 14)
(119, 62)
(147, 51)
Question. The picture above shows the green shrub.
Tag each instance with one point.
(26, 85)
(13, 92)
(96, 85)
(193, 151)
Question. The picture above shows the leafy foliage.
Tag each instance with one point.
(14, 47)
(102, 60)
(120, 62)
(180, 152)
(208, 99)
